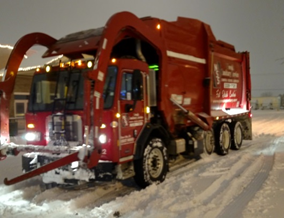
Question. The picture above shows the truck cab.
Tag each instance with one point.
(57, 101)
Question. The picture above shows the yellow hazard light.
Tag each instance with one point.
(79, 63)
(147, 110)
(47, 68)
(62, 65)
(113, 60)
(158, 27)
(31, 126)
(89, 64)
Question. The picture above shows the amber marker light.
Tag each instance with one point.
(117, 115)
(114, 124)
(158, 27)
(31, 126)
(113, 60)
(47, 68)
(147, 110)
(89, 64)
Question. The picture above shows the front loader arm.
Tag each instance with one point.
(8, 80)
(51, 166)
(85, 154)
(17, 55)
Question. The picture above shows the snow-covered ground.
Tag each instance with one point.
(246, 183)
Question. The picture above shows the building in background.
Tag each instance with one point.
(19, 100)
(268, 103)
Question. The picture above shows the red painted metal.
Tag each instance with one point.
(39, 120)
(128, 23)
(94, 158)
(11, 70)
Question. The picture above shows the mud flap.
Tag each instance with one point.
(199, 148)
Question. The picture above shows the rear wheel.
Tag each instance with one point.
(223, 139)
(237, 135)
(153, 166)
(209, 142)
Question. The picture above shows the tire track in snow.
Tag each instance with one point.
(205, 163)
(224, 176)
(227, 187)
(236, 207)
(80, 198)
(210, 184)
(249, 183)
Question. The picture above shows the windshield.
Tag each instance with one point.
(56, 91)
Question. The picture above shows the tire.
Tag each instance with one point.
(223, 139)
(209, 142)
(237, 135)
(152, 168)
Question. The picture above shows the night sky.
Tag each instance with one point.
(256, 26)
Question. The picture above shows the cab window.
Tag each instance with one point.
(126, 87)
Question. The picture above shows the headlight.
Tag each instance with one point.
(102, 138)
(32, 136)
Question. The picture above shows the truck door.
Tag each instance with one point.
(132, 105)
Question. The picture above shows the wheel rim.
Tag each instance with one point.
(155, 163)
(225, 136)
(226, 139)
(238, 135)
(209, 146)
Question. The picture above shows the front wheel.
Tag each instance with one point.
(153, 166)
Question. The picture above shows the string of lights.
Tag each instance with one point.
(30, 67)
(55, 59)
(6, 46)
